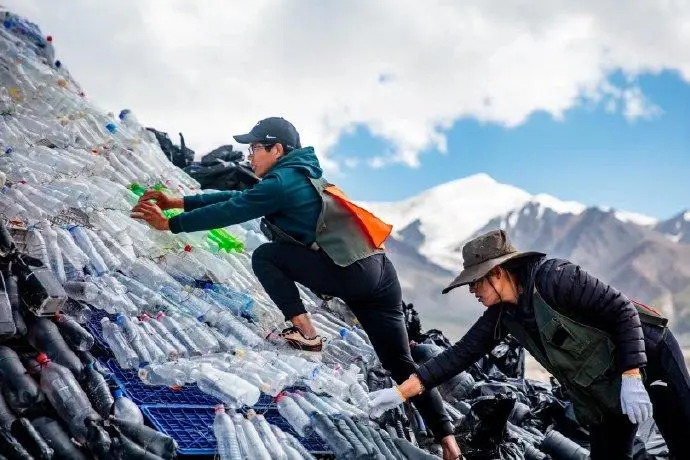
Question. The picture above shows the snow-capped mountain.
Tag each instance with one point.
(676, 229)
(438, 221)
(648, 261)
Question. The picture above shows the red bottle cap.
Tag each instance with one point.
(49, 38)
(42, 359)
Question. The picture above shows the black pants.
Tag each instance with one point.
(371, 289)
(668, 384)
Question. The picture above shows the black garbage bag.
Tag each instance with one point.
(649, 444)
(224, 153)
(506, 360)
(495, 388)
(223, 175)
(483, 433)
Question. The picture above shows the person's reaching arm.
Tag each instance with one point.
(264, 198)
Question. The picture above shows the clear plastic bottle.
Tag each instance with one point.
(254, 442)
(293, 414)
(166, 347)
(125, 409)
(119, 345)
(226, 436)
(163, 331)
(227, 387)
(82, 239)
(162, 374)
(65, 395)
(131, 332)
(176, 330)
(198, 332)
(272, 445)
(36, 246)
(54, 252)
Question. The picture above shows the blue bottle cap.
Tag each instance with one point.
(111, 127)
(343, 332)
(117, 394)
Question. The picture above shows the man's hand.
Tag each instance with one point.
(151, 214)
(382, 400)
(163, 200)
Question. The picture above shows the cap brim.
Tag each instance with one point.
(248, 138)
(475, 272)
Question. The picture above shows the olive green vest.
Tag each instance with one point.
(580, 357)
(338, 232)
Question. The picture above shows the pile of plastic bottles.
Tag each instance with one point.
(178, 309)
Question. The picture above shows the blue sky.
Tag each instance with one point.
(591, 156)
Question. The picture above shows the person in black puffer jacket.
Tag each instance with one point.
(616, 358)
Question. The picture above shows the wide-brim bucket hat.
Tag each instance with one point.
(483, 253)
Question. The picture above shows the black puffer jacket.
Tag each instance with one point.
(567, 288)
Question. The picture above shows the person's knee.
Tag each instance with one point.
(262, 257)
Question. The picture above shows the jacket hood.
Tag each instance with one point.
(303, 160)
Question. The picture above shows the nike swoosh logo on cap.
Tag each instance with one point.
(268, 136)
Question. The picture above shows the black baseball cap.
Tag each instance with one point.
(272, 130)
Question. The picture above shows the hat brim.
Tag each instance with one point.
(248, 138)
(475, 272)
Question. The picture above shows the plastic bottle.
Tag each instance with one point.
(54, 252)
(116, 340)
(58, 439)
(254, 442)
(31, 439)
(97, 389)
(226, 436)
(163, 331)
(272, 445)
(82, 239)
(44, 336)
(229, 388)
(293, 414)
(79, 311)
(153, 441)
(20, 390)
(12, 446)
(7, 326)
(36, 246)
(97, 439)
(167, 349)
(7, 417)
(176, 330)
(73, 333)
(134, 338)
(162, 374)
(125, 409)
(65, 395)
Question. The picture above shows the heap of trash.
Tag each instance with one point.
(120, 341)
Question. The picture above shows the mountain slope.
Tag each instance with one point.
(648, 261)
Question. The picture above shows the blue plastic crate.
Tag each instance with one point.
(137, 391)
(192, 428)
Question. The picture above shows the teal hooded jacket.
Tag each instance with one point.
(285, 197)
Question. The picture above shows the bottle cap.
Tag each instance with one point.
(49, 38)
(160, 315)
(42, 359)
(219, 409)
(343, 332)
(117, 394)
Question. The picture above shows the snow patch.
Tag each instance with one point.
(561, 207)
(634, 218)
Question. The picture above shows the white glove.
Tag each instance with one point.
(635, 399)
(382, 400)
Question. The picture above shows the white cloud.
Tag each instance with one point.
(636, 105)
(351, 162)
(404, 69)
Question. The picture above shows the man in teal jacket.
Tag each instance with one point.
(315, 242)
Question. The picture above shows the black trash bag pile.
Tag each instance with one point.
(31, 323)
(181, 156)
(223, 169)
